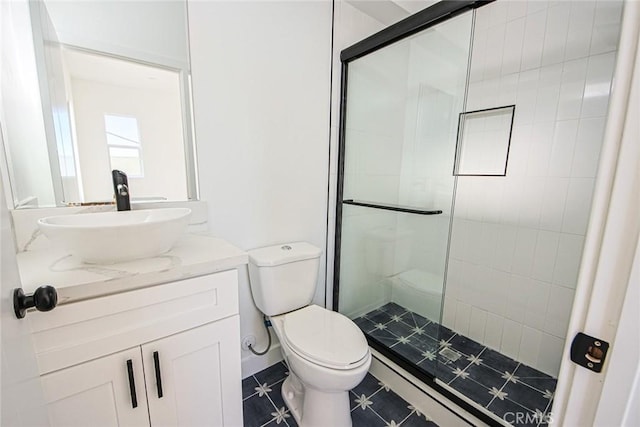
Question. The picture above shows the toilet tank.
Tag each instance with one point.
(283, 277)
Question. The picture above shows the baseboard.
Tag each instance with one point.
(426, 400)
(252, 363)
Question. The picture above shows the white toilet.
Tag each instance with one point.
(326, 352)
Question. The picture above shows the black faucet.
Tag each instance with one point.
(121, 190)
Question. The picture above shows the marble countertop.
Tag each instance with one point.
(193, 255)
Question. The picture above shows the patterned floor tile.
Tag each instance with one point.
(265, 406)
(535, 378)
(384, 337)
(486, 376)
(390, 406)
(379, 317)
(527, 389)
(466, 345)
(409, 352)
(445, 333)
(249, 385)
(526, 396)
(393, 309)
(368, 386)
(415, 420)
(471, 389)
(400, 329)
(414, 319)
(272, 374)
(257, 410)
(497, 361)
(365, 324)
(425, 343)
(513, 413)
(276, 395)
(366, 418)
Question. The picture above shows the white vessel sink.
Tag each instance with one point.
(110, 237)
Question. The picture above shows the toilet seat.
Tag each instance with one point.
(325, 337)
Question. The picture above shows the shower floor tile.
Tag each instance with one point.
(373, 403)
(492, 380)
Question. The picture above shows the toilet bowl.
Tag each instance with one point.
(326, 352)
(327, 355)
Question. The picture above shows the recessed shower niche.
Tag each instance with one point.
(469, 145)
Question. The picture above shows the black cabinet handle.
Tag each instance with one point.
(132, 384)
(156, 363)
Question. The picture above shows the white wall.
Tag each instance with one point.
(21, 112)
(517, 240)
(261, 82)
(160, 125)
(154, 31)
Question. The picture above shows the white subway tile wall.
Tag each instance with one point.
(517, 240)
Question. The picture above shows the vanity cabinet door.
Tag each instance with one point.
(193, 378)
(99, 392)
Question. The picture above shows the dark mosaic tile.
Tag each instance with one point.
(368, 386)
(257, 411)
(535, 378)
(445, 368)
(365, 418)
(466, 345)
(409, 351)
(433, 330)
(414, 319)
(461, 362)
(393, 309)
(526, 396)
(249, 385)
(513, 413)
(415, 420)
(497, 361)
(384, 337)
(444, 373)
(425, 343)
(485, 376)
(473, 390)
(400, 329)
(352, 400)
(428, 366)
(445, 333)
(291, 422)
(390, 406)
(276, 395)
(379, 317)
(284, 420)
(272, 374)
(365, 324)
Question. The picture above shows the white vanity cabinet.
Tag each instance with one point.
(194, 368)
(97, 393)
(176, 344)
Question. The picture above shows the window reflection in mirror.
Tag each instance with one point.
(100, 85)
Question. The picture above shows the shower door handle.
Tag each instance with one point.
(396, 208)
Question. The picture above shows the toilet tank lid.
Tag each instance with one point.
(284, 253)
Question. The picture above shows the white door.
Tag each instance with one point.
(21, 392)
(108, 391)
(193, 377)
(607, 304)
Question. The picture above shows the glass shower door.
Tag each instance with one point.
(399, 136)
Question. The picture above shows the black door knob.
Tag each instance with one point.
(45, 298)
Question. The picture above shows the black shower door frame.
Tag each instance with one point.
(429, 17)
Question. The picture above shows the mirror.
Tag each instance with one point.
(88, 87)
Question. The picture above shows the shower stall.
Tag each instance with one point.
(470, 137)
